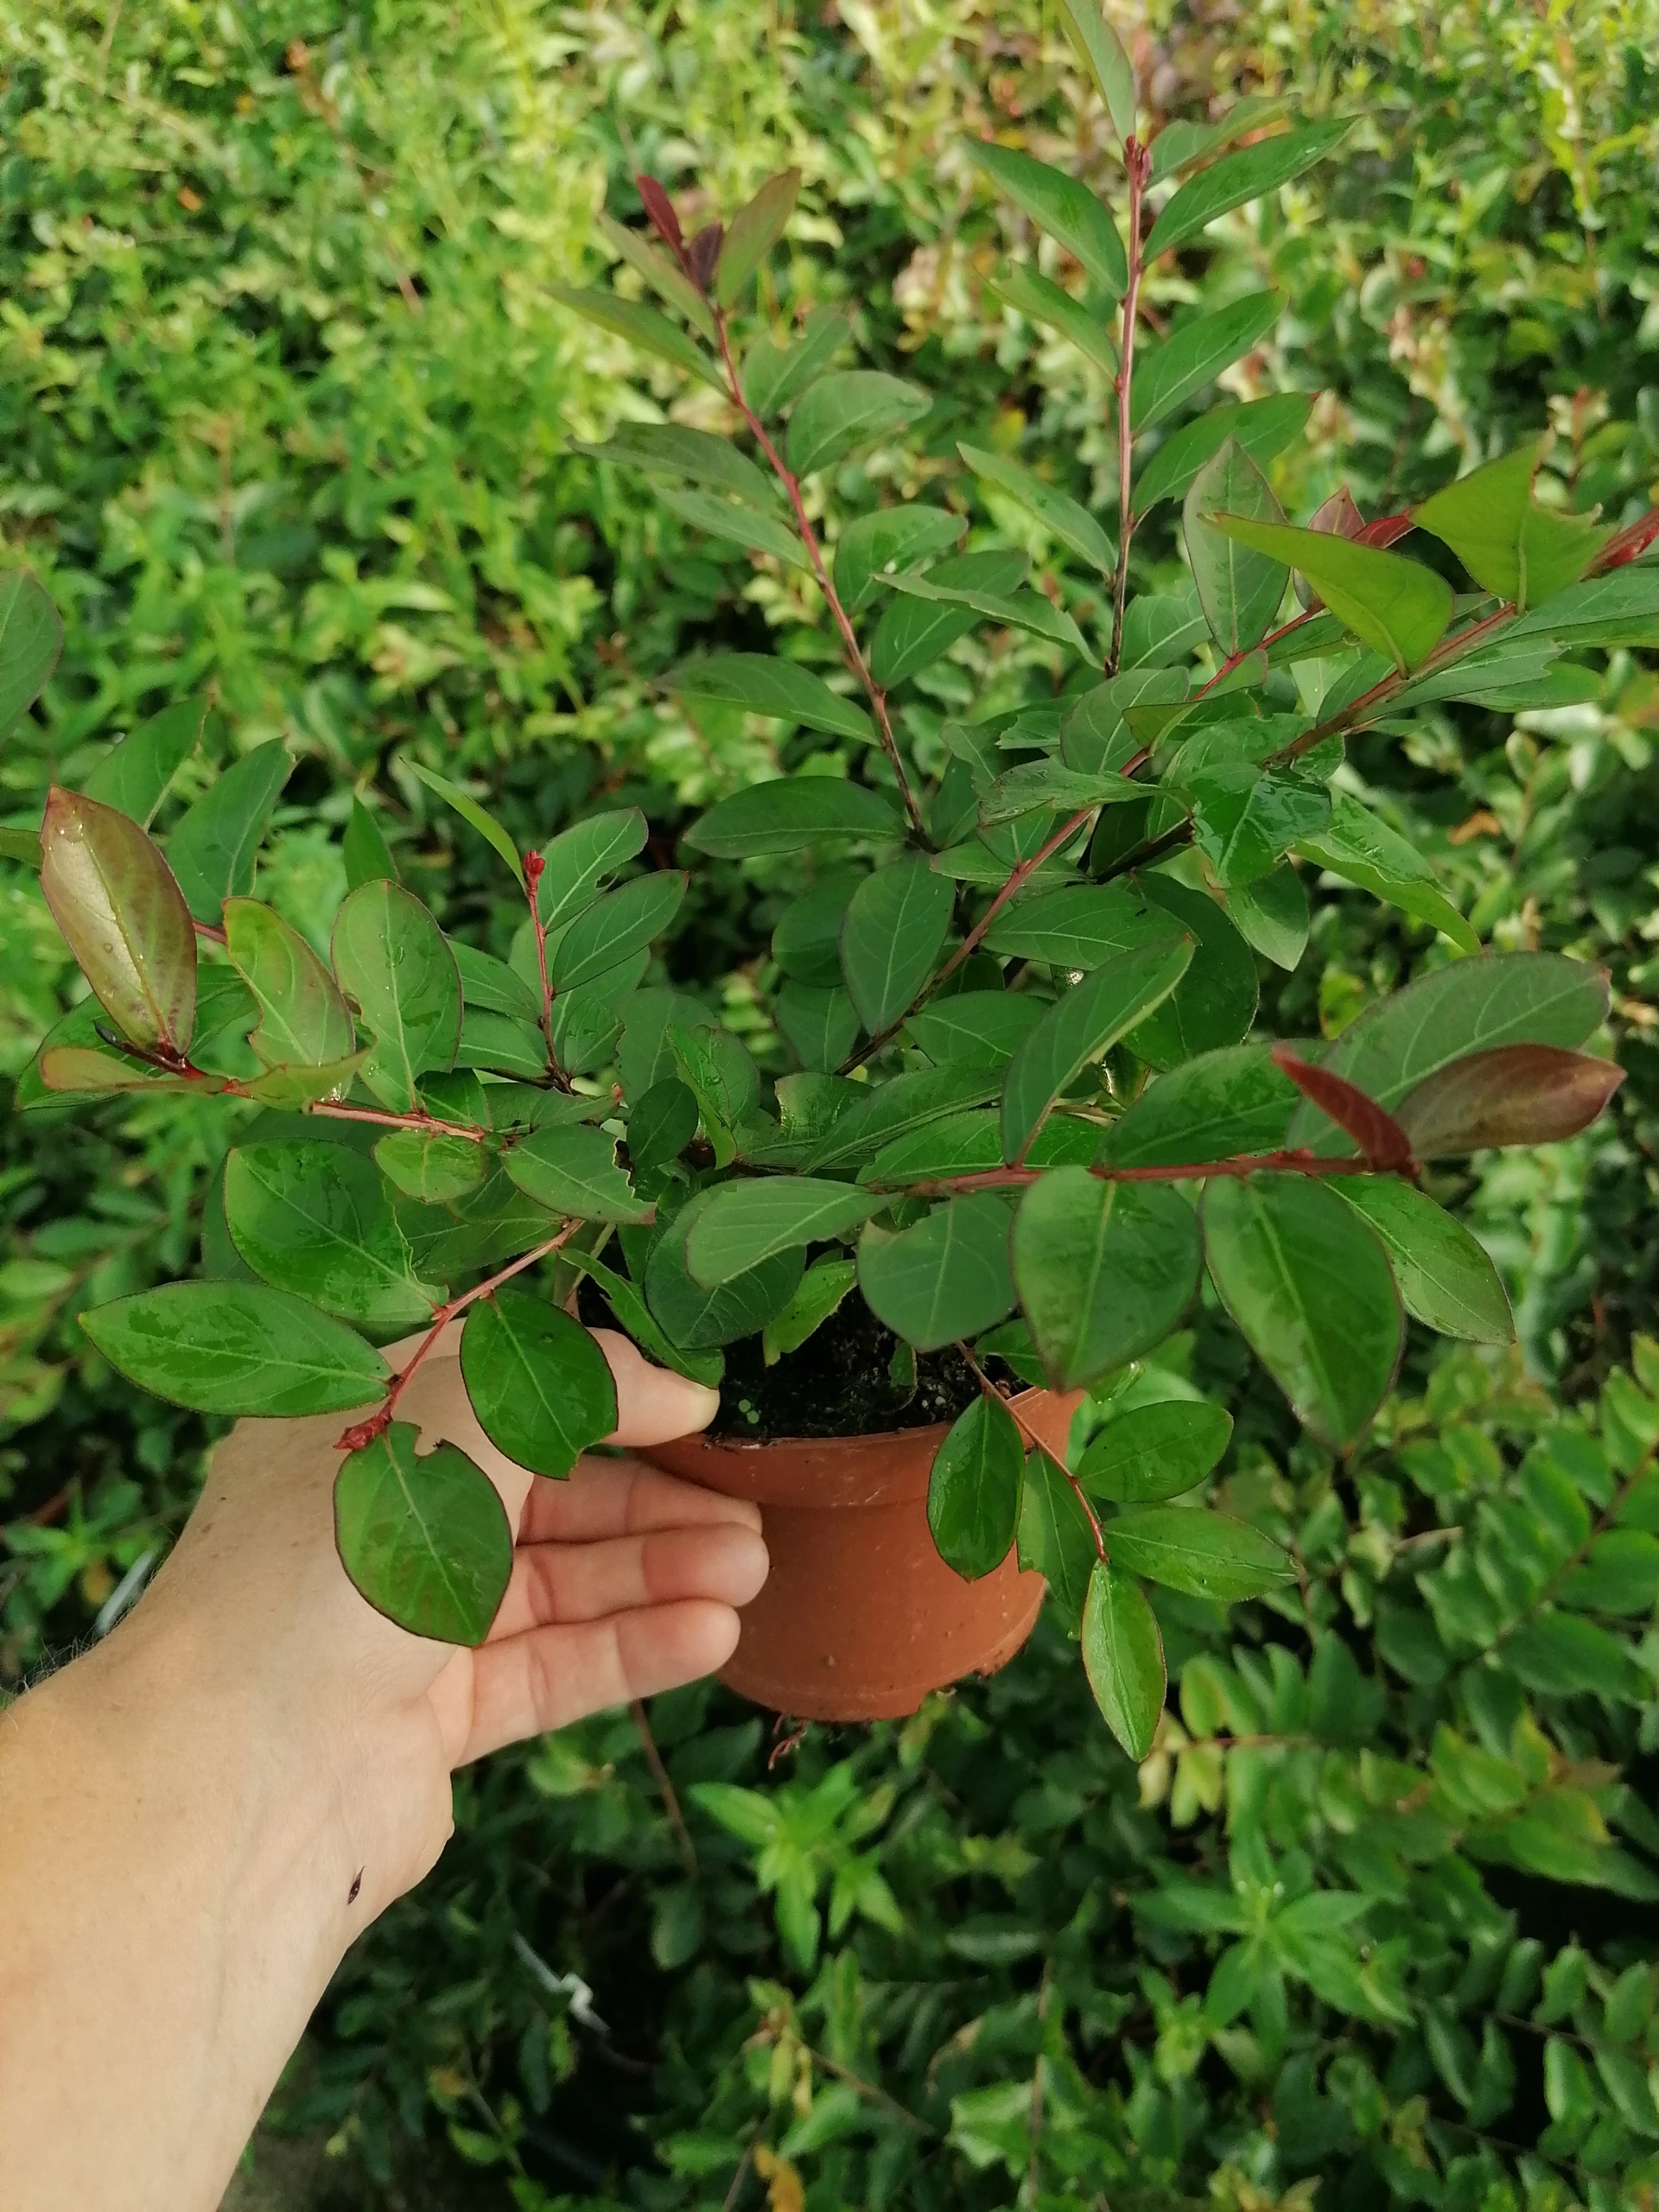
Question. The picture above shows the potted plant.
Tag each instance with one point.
(1028, 1114)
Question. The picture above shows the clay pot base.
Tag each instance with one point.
(860, 1619)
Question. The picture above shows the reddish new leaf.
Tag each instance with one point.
(1517, 1094)
(1385, 531)
(703, 254)
(1338, 518)
(122, 916)
(1382, 1143)
(660, 208)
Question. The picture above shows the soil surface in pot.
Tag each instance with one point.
(841, 1382)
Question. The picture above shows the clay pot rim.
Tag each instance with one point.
(939, 1428)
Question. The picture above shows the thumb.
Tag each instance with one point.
(652, 1403)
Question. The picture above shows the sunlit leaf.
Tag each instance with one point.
(123, 918)
(1123, 1657)
(237, 1348)
(426, 1540)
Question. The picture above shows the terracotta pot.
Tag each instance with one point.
(860, 1617)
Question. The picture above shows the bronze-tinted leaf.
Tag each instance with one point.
(122, 916)
(1516, 1094)
(1382, 1142)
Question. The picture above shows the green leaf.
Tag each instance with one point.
(767, 685)
(822, 1289)
(1309, 1286)
(1262, 427)
(698, 455)
(819, 1022)
(122, 916)
(773, 375)
(1178, 145)
(1511, 545)
(806, 943)
(642, 327)
(1395, 606)
(1472, 1005)
(432, 1168)
(502, 1043)
(1108, 64)
(577, 860)
(634, 1316)
(31, 637)
(973, 1492)
(699, 1319)
(574, 1172)
(1059, 204)
(890, 539)
(470, 811)
(1214, 1003)
(1243, 822)
(237, 1348)
(1081, 1026)
(1055, 1538)
(946, 1278)
(134, 775)
(294, 1085)
(852, 408)
(1123, 1657)
(1446, 1280)
(1079, 927)
(663, 1123)
(791, 813)
(1620, 1574)
(1074, 526)
(1104, 1270)
(1025, 610)
(1272, 915)
(392, 961)
(753, 232)
(1361, 848)
(1247, 175)
(915, 629)
(971, 1143)
(895, 924)
(22, 845)
(908, 1101)
(736, 519)
(1619, 609)
(541, 1387)
(494, 988)
(1518, 1094)
(426, 1541)
(973, 1026)
(1204, 1555)
(315, 1219)
(1040, 300)
(740, 1224)
(614, 927)
(1195, 353)
(1156, 1453)
(660, 272)
(212, 849)
(1241, 589)
(1222, 1105)
(304, 1020)
(364, 851)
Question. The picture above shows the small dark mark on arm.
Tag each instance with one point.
(350, 1894)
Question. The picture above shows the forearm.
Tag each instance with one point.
(172, 1903)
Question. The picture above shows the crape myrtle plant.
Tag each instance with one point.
(1030, 1114)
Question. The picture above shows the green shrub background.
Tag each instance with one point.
(286, 412)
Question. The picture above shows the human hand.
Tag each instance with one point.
(625, 1581)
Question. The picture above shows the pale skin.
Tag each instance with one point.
(198, 1816)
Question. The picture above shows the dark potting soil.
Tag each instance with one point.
(841, 1382)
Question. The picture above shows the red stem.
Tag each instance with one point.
(1444, 656)
(1021, 875)
(364, 1432)
(1272, 1163)
(1137, 159)
(855, 657)
(1237, 659)
(207, 929)
(534, 865)
(429, 1123)
(1035, 1443)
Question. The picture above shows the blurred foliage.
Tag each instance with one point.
(286, 412)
